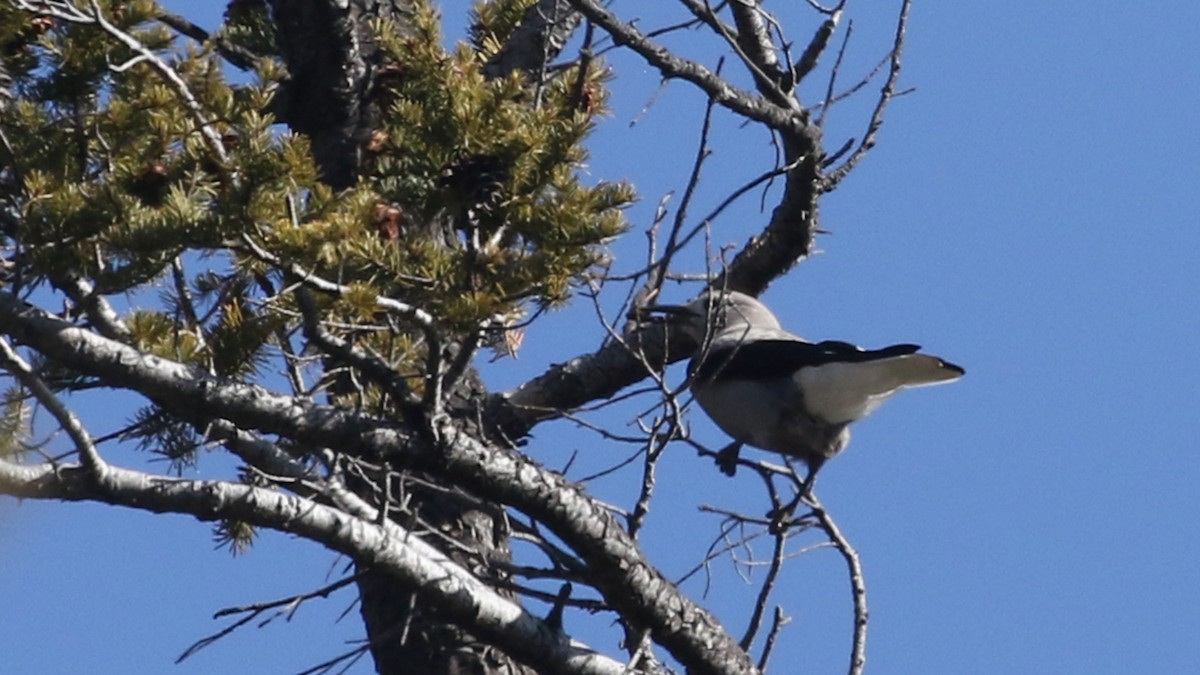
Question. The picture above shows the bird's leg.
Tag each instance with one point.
(780, 515)
(814, 465)
(727, 458)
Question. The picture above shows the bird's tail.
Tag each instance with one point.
(845, 391)
(911, 370)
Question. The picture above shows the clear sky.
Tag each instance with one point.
(1029, 213)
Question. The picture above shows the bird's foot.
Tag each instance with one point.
(780, 519)
(810, 480)
(727, 458)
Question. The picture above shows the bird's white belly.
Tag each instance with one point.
(768, 415)
(741, 410)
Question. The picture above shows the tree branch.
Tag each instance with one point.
(544, 31)
(434, 577)
(66, 419)
(754, 42)
(885, 96)
(744, 103)
(623, 576)
(239, 57)
(858, 584)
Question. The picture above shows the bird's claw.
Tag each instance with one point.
(727, 458)
(780, 519)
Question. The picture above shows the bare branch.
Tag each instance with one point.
(240, 57)
(785, 120)
(794, 222)
(673, 245)
(704, 13)
(95, 306)
(816, 46)
(252, 612)
(885, 96)
(369, 364)
(764, 593)
(753, 43)
(256, 452)
(858, 584)
(778, 621)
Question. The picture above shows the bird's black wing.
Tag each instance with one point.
(764, 359)
(844, 351)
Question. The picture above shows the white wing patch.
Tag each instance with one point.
(846, 391)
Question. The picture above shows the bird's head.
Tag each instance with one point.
(713, 312)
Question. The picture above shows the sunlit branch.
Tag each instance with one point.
(459, 595)
(858, 584)
(20, 369)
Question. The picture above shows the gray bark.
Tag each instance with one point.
(620, 572)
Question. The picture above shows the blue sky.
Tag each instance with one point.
(1029, 213)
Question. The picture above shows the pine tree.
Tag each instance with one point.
(325, 190)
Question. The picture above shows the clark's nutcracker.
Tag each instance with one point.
(770, 389)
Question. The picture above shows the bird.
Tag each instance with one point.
(770, 389)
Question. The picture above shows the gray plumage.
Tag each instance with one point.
(770, 389)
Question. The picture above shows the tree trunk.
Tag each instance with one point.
(332, 62)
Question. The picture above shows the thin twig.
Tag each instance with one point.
(211, 138)
(753, 46)
(885, 96)
(704, 14)
(658, 270)
(764, 593)
(351, 656)
(656, 444)
(778, 621)
(292, 361)
(374, 367)
(858, 584)
(833, 75)
(291, 604)
(716, 549)
(733, 196)
(89, 456)
(751, 106)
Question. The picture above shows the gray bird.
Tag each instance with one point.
(768, 388)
